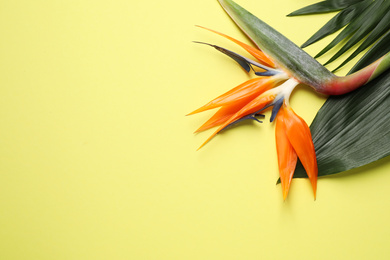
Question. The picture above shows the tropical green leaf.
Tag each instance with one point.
(380, 29)
(353, 130)
(362, 18)
(337, 22)
(380, 48)
(325, 7)
(361, 27)
(358, 26)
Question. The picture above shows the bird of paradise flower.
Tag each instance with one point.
(281, 66)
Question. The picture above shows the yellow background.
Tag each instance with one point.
(99, 161)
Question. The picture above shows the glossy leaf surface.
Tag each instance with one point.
(353, 130)
(324, 7)
(361, 17)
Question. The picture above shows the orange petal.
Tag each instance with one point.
(299, 135)
(287, 157)
(259, 55)
(248, 89)
(222, 115)
(255, 105)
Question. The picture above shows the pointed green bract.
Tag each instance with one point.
(284, 52)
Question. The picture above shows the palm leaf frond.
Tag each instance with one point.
(352, 130)
(325, 7)
(361, 18)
